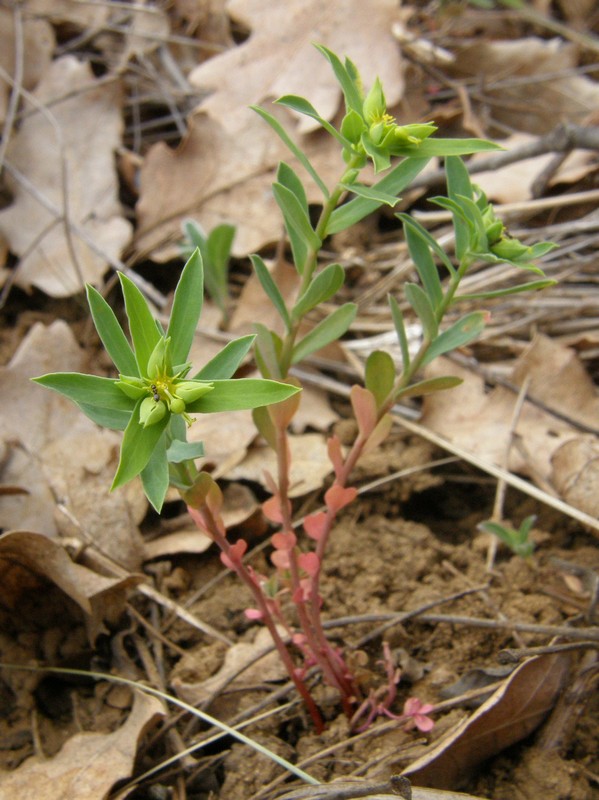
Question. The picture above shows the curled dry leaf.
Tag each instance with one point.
(87, 200)
(29, 560)
(508, 716)
(576, 473)
(89, 764)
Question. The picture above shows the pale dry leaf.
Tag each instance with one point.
(514, 182)
(224, 168)
(309, 464)
(508, 716)
(576, 473)
(279, 58)
(62, 458)
(28, 558)
(88, 765)
(37, 44)
(87, 130)
(267, 668)
(84, 16)
(551, 95)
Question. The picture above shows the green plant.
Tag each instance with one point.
(153, 394)
(215, 249)
(153, 398)
(517, 539)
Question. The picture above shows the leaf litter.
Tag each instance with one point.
(165, 63)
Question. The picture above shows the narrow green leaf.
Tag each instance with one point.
(242, 393)
(137, 447)
(302, 106)
(425, 266)
(187, 307)
(287, 177)
(155, 477)
(226, 362)
(268, 352)
(391, 184)
(459, 185)
(369, 193)
(271, 289)
(426, 237)
(295, 215)
(444, 148)
(400, 328)
(429, 386)
(379, 375)
(459, 334)
(110, 332)
(144, 332)
(419, 301)
(216, 263)
(291, 145)
(523, 287)
(347, 80)
(179, 451)
(91, 390)
(329, 330)
(106, 417)
(321, 289)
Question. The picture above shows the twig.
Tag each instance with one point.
(512, 655)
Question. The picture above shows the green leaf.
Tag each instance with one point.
(91, 390)
(242, 393)
(429, 386)
(302, 106)
(459, 185)
(110, 332)
(400, 328)
(459, 334)
(106, 417)
(291, 145)
(155, 477)
(137, 447)
(379, 155)
(347, 80)
(144, 332)
(226, 362)
(321, 289)
(392, 184)
(426, 237)
(419, 301)
(329, 330)
(295, 215)
(523, 287)
(379, 375)
(271, 289)
(268, 352)
(287, 177)
(216, 263)
(425, 266)
(369, 193)
(187, 307)
(444, 148)
(179, 451)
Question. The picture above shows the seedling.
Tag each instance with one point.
(518, 540)
(154, 397)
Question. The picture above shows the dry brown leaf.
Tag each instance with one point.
(576, 473)
(92, 187)
(514, 182)
(508, 716)
(481, 422)
(88, 765)
(223, 170)
(309, 464)
(518, 106)
(38, 45)
(60, 458)
(267, 668)
(29, 560)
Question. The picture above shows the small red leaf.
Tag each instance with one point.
(338, 497)
(315, 525)
(283, 541)
(310, 563)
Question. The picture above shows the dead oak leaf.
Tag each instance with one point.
(224, 168)
(82, 124)
(88, 765)
(279, 57)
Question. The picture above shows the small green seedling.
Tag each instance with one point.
(216, 254)
(518, 541)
